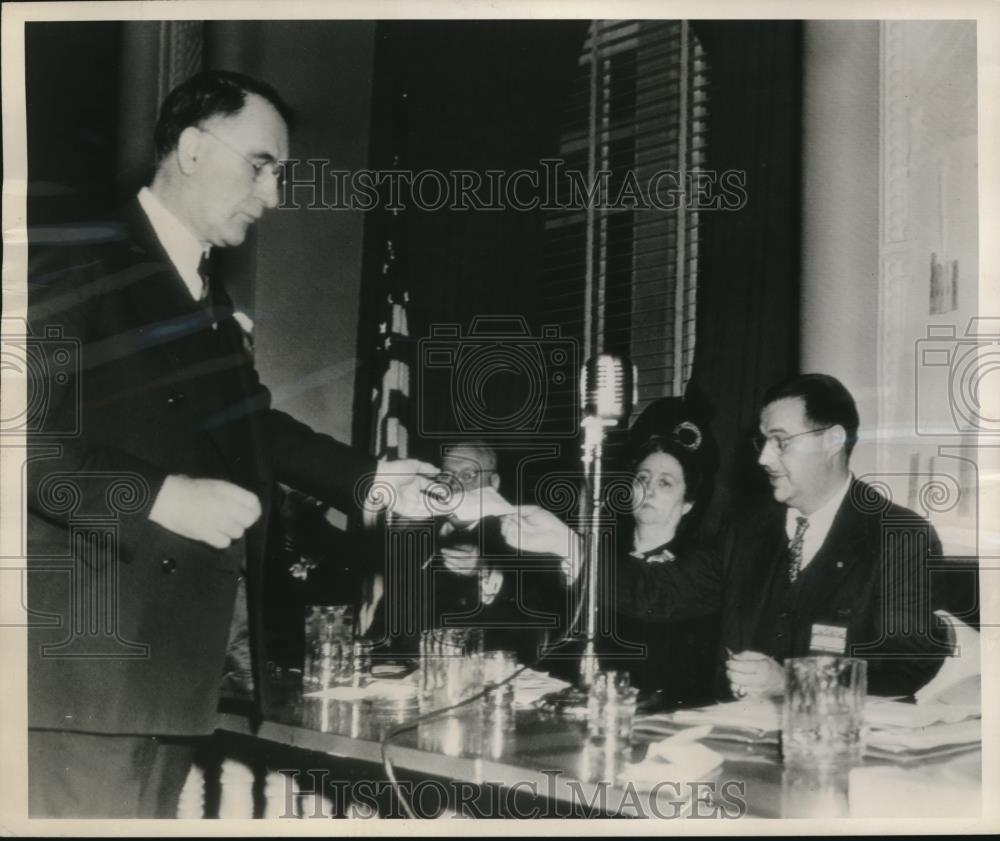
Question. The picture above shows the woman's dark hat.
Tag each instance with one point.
(684, 424)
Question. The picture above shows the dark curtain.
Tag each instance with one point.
(72, 72)
(748, 286)
(461, 95)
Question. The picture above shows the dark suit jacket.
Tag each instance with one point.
(130, 622)
(869, 577)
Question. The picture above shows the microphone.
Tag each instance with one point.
(608, 388)
(608, 391)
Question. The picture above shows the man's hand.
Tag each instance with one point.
(537, 531)
(401, 486)
(463, 559)
(490, 582)
(753, 673)
(209, 510)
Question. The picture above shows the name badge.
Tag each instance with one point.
(828, 639)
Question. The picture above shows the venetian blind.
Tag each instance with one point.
(619, 276)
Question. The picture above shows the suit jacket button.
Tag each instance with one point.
(175, 398)
(168, 565)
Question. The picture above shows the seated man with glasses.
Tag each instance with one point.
(830, 566)
(473, 577)
(834, 567)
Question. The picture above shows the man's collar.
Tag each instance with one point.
(183, 248)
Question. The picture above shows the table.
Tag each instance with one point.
(535, 765)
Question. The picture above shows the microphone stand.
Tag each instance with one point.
(573, 700)
(593, 444)
(607, 383)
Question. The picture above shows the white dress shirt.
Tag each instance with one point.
(819, 523)
(182, 246)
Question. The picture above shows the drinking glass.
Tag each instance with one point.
(824, 707)
(329, 659)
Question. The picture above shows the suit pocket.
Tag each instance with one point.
(171, 553)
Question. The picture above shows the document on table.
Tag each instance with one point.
(390, 689)
(749, 720)
(893, 726)
(531, 686)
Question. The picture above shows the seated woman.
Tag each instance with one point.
(672, 478)
(674, 462)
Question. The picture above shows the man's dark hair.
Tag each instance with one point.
(827, 402)
(205, 95)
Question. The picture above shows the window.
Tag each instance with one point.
(621, 268)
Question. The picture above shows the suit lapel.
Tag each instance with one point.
(157, 296)
(839, 553)
(179, 328)
(241, 413)
(760, 570)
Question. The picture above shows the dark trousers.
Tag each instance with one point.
(87, 775)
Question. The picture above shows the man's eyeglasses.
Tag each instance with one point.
(781, 442)
(261, 169)
(464, 477)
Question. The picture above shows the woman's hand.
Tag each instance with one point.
(536, 531)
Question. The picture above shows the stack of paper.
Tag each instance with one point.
(531, 686)
(883, 713)
(918, 731)
(390, 689)
(959, 680)
(677, 758)
(757, 720)
(902, 731)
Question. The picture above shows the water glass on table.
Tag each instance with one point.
(824, 708)
(611, 706)
(334, 657)
(498, 705)
(451, 665)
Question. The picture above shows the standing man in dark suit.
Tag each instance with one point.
(147, 512)
(830, 566)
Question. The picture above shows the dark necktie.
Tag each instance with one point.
(795, 548)
(204, 272)
(206, 300)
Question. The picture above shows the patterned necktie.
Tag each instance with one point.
(795, 548)
(204, 266)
